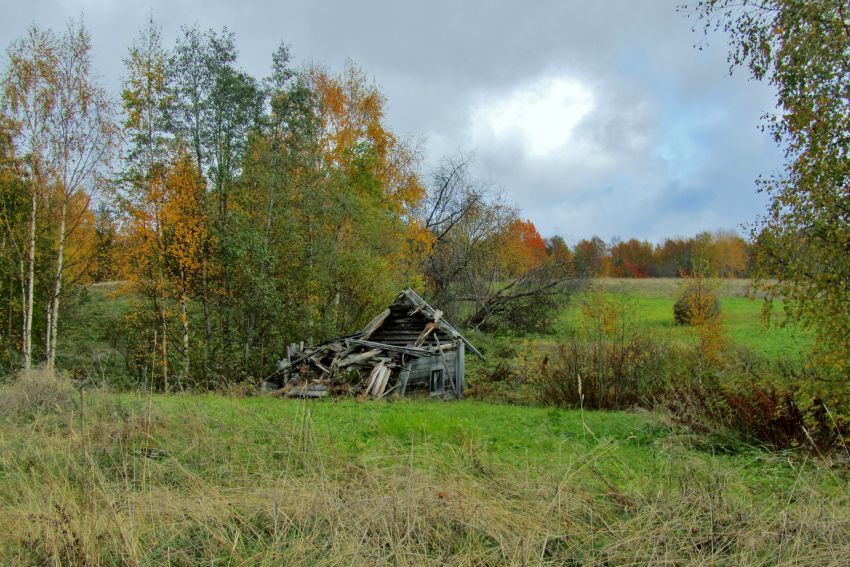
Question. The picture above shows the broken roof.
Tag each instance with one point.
(420, 305)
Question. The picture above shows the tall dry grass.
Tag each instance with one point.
(118, 481)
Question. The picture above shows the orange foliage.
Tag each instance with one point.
(81, 239)
(353, 132)
(167, 235)
(523, 248)
(352, 112)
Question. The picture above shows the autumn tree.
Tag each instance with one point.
(522, 248)
(372, 189)
(216, 107)
(590, 257)
(802, 49)
(146, 101)
(82, 136)
(14, 212)
(724, 253)
(558, 250)
(29, 100)
(632, 258)
(184, 243)
(107, 254)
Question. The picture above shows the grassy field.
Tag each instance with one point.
(650, 305)
(141, 480)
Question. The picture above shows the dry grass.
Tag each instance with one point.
(35, 392)
(132, 481)
(671, 287)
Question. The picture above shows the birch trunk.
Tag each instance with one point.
(184, 319)
(164, 349)
(26, 342)
(53, 317)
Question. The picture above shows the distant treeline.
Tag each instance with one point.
(722, 254)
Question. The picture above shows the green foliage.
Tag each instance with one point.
(803, 50)
(696, 305)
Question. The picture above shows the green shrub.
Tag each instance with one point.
(696, 305)
(604, 374)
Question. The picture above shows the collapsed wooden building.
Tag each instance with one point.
(407, 348)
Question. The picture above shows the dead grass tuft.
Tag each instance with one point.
(35, 392)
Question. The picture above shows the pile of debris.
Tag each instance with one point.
(408, 346)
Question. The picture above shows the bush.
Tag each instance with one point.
(759, 400)
(35, 392)
(696, 305)
(603, 374)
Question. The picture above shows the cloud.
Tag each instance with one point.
(593, 117)
(541, 117)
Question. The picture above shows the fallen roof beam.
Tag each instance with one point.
(413, 351)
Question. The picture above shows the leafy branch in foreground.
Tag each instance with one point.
(802, 48)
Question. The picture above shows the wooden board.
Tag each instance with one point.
(354, 358)
(373, 325)
(372, 377)
(381, 383)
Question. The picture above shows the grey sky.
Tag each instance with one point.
(593, 117)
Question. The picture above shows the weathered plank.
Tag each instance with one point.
(446, 366)
(373, 325)
(376, 371)
(413, 351)
(381, 382)
(403, 378)
(354, 358)
(423, 336)
(308, 391)
(388, 392)
(460, 370)
(319, 365)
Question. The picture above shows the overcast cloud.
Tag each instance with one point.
(592, 117)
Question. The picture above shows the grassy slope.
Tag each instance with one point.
(201, 479)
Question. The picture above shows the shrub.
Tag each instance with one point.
(696, 305)
(603, 374)
(759, 400)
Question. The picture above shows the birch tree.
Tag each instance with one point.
(81, 136)
(147, 99)
(29, 100)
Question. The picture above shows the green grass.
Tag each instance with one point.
(186, 479)
(650, 309)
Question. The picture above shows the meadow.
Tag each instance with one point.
(201, 479)
(649, 308)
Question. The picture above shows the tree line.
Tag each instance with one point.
(721, 253)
